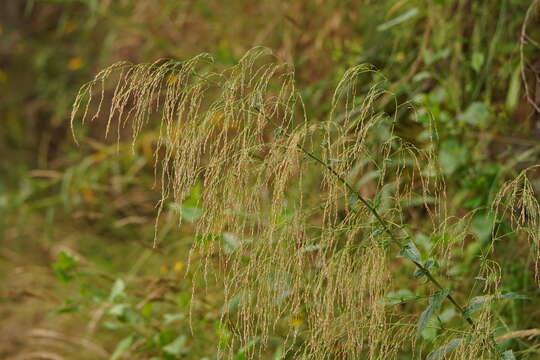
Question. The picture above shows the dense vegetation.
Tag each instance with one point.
(275, 180)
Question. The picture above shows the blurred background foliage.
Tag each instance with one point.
(80, 277)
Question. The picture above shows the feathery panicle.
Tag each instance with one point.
(304, 254)
(517, 202)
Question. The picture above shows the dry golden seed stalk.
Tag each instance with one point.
(277, 197)
(517, 202)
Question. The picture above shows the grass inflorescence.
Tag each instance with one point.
(303, 218)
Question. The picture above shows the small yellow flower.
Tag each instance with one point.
(400, 56)
(75, 63)
(178, 266)
(296, 322)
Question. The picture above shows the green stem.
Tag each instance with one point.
(383, 223)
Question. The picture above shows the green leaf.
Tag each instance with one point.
(452, 156)
(441, 352)
(476, 114)
(385, 190)
(146, 310)
(118, 310)
(244, 349)
(399, 297)
(478, 301)
(431, 58)
(378, 232)
(177, 347)
(69, 307)
(232, 305)
(117, 290)
(477, 61)
(191, 213)
(169, 318)
(508, 355)
(122, 347)
(482, 226)
(418, 273)
(433, 307)
(231, 242)
(62, 266)
(514, 90)
(188, 213)
(398, 20)
(279, 353)
(189, 210)
(409, 251)
(353, 199)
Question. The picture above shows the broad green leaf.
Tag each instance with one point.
(476, 114)
(452, 156)
(441, 352)
(482, 226)
(188, 213)
(62, 265)
(191, 213)
(177, 347)
(409, 251)
(433, 307)
(477, 61)
(189, 210)
(422, 75)
(122, 347)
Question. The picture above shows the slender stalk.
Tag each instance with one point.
(384, 225)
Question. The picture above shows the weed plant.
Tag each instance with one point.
(306, 221)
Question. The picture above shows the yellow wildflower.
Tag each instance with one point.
(75, 63)
(296, 322)
(178, 266)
